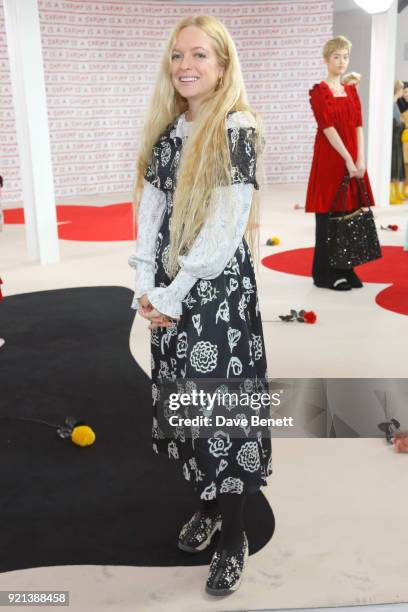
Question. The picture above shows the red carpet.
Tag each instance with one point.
(391, 269)
(88, 223)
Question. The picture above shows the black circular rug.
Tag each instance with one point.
(115, 502)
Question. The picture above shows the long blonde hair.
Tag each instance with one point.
(205, 160)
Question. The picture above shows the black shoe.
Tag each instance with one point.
(340, 284)
(322, 284)
(196, 535)
(226, 569)
(353, 279)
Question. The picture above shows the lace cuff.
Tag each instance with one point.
(144, 279)
(150, 216)
(211, 251)
(168, 300)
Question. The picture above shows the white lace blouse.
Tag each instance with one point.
(209, 253)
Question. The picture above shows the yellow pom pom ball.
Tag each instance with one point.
(275, 240)
(83, 435)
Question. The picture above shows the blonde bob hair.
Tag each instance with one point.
(205, 159)
(339, 43)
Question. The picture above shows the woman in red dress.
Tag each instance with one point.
(339, 145)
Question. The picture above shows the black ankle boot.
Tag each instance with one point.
(196, 535)
(353, 279)
(226, 569)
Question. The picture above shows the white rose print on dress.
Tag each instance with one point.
(233, 285)
(154, 337)
(164, 371)
(155, 428)
(165, 153)
(234, 137)
(242, 251)
(232, 266)
(230, 402)
(206, 291)
(186, 472)
(189, 301)
(269, 467)
(155, 393)
(159, 241)
(193, 463)
(235, 364)
(257, 346)
(195, 432)
(197, 323)
(223, 312)
(182, 345)
(220, 444)
(204, 356)
(170, 331)
(248, 385)
(165, 259)
(250, 352)
(179, 433)
(243, 417)
(232, 485)
(209, 492)
(222, 465)
(246, 281)
(190, 386)
(241, 306)
(193, 466)
(248, 457)
(169, 183)
(236, 175)
(233, 338)
(173, 450)
(173, 368)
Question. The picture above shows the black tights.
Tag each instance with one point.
(231, 506)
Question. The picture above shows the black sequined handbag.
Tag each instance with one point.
(352, 236)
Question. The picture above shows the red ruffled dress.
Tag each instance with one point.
(328, 167)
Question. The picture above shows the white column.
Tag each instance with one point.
(382, 71)
(27, 79)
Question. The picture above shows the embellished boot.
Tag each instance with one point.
(226, 569)
(197, 533)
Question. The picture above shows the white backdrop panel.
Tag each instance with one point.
(100, 61)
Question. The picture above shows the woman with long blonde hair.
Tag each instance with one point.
(196, 193)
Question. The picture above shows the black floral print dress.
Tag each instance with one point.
(218, 338)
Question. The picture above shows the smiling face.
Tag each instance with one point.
(338, 62)
(194, 67)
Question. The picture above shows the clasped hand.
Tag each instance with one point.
(356, 170)
(156, 318)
